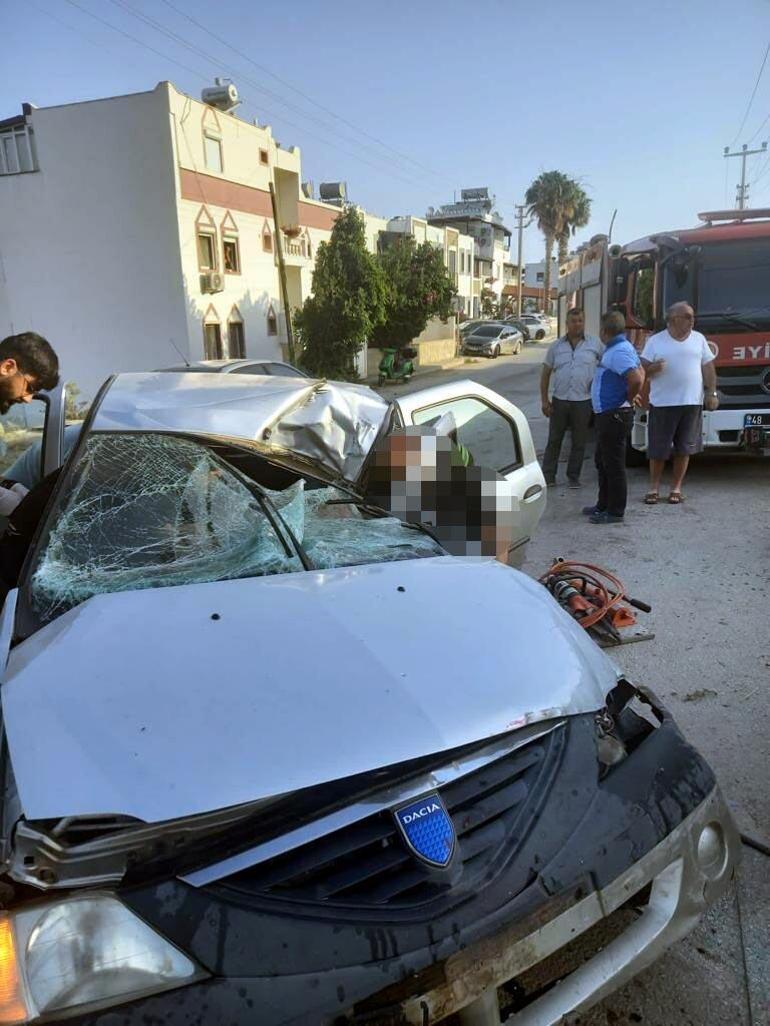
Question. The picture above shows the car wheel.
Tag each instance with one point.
(495, 352)
(540, 334)
(517, 350)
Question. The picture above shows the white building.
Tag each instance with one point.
(138, 230)
(476, 217)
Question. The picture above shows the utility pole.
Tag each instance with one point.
(282, 276)
(521, 226)
(743, 153)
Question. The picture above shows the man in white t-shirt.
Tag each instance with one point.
(680, 367)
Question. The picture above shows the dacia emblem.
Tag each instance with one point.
(427, 828)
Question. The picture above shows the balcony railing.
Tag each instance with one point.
(296, 246)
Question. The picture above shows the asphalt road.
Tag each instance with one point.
(705, 568)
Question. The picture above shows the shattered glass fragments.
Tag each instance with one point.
(147, 511)
(151, 511)
(339, 535)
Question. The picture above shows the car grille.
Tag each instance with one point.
(367, 864)
(741, 387)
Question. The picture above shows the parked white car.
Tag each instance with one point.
(272, 756)
(539, 325)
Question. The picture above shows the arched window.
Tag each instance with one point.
(231, 250)
(236, 342)
(212, 141)
(267, 238)
(206, 240)
(212, 335)
(272, 321)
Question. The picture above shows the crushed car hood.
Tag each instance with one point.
(171, 702)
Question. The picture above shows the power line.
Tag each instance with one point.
(219, 64)
(206, 78)
(753, 94)
(299, 92)
(751, 140)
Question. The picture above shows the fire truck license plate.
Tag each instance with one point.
(756, 420)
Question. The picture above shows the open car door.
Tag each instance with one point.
(496, 434)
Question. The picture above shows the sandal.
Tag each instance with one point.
(675, 498)
(651, 499)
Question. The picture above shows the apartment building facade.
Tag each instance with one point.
(475, 216)
(138, 231)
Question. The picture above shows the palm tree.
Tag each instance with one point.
(577, 217)
(560, 205)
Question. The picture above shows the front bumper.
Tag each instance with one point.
(679, 893)
(725, 429)
(599, 843)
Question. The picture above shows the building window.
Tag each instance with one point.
(213, 150)
(540, 275)
(272, 321)
(17, 151)
(212, 341)
(263, 157)
(207, 251)
(232, 256)
(236, 343)
(452, 262)
(267, 239)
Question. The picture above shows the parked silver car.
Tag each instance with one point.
(272, 756)
(493, 339)
(273, 367)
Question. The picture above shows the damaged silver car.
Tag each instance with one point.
(257, 766)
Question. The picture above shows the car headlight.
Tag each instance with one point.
(88, 952)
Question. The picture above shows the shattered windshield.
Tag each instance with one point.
(150, 511)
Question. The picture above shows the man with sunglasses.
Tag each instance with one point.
(680, 366)
(28, 364)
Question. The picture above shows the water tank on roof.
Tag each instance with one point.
(223, 95)
(333, 192)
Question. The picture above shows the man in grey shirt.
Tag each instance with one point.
(572, 361)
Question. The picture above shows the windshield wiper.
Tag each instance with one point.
(730, 316)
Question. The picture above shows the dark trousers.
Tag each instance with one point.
(575, 418)
(612, 430)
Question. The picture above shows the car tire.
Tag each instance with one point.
(517, 350)
(540, 334)
(495, 352)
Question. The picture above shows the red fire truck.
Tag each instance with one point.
(722, 268)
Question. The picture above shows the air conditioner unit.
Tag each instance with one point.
(212, 281)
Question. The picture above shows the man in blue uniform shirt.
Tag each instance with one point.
(614, 393)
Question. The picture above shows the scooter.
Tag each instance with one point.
(396, 364)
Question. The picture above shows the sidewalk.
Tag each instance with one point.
(458, 362)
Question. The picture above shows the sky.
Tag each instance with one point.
(411, 100)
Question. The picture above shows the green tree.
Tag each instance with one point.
(488, 304)
(418, 288)
(578, 216)
(347, 304)
(560, 205)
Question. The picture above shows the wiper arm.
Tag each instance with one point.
(730, 316)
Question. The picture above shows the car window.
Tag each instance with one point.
(21, 436)
(489, 436)
(283, 370)
(144, 511)
(250, 368)
(152, 511)
(488, 331)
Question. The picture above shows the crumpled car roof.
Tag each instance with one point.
(332, 423)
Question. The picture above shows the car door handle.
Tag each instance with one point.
(532, 492)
